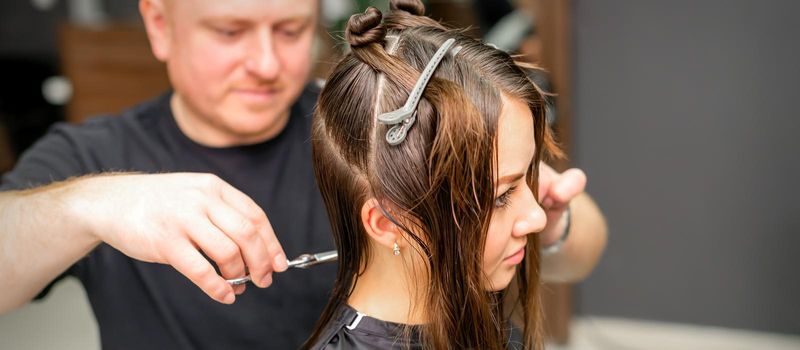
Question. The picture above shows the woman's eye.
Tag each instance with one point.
(503, 200)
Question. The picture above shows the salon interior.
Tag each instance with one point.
(683, 115)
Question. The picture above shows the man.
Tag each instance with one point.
(240, 111)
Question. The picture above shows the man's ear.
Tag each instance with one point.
(382, 230)
(158, 27)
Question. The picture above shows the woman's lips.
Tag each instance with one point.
(516, 258)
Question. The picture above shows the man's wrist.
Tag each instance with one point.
(555, 247)
(74, 208)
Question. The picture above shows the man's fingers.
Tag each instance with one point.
(546, 177)
(241, 202)
(570, 183)
(249, 209)
(245, 233)
(188, 261)
(557, 190)
(546, 169)
(219, 247)
(279, 261)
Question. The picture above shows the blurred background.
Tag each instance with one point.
(682, 113)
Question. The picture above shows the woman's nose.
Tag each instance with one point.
(531, 219)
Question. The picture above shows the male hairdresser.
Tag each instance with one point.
(152, 210)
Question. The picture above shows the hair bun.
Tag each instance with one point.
(364, 28)
(414, 7)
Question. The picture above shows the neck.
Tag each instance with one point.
(214, 133)
(388, 291)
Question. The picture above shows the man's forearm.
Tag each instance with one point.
(583, 247)
(40, 237)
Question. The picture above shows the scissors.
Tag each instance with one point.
(303, 261)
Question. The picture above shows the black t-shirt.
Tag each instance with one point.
(151, 306)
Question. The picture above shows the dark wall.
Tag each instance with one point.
(32, 33)
(28, 56)
(687, 125)
(28, 32)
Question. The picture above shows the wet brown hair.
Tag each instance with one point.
(439, 182)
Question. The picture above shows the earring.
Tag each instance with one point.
(396, 249)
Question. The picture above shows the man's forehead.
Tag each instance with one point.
(245, 9)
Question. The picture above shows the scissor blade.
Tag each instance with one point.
(307, 260)
(330, 255)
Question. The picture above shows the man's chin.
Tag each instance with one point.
(258, 132)
(257, 121)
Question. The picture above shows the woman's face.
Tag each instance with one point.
(516, 213)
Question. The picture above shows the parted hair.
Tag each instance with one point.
(438, 184)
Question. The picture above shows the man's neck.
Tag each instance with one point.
(209, 134)
(386, 292)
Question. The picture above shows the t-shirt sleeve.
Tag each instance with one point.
(53, 158)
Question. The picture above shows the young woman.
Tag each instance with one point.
(429, 182)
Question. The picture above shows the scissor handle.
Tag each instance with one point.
(303, 261)
(307, 260)
(238, 281)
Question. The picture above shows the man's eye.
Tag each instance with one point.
(290, 33)
(226, 32)
(292, 30)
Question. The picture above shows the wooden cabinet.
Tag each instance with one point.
(111, 68)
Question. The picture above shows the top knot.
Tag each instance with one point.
(409, 14)
(414, 7)
(364, 28)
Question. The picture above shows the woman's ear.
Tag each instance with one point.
(382, 230)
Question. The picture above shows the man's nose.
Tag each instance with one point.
(263, 61)
(532, 217)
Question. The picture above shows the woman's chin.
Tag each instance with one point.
(501, 281)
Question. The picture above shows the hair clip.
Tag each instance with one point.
(403, 118)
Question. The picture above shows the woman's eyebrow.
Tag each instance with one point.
(509, 178)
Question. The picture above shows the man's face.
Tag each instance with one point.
(236, 66)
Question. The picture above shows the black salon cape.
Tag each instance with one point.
(151, 306)
(348, 331)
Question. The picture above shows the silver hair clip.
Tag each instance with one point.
(403, 118)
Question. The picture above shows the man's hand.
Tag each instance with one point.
(579, 254)
(176, 218)
(555, 192)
